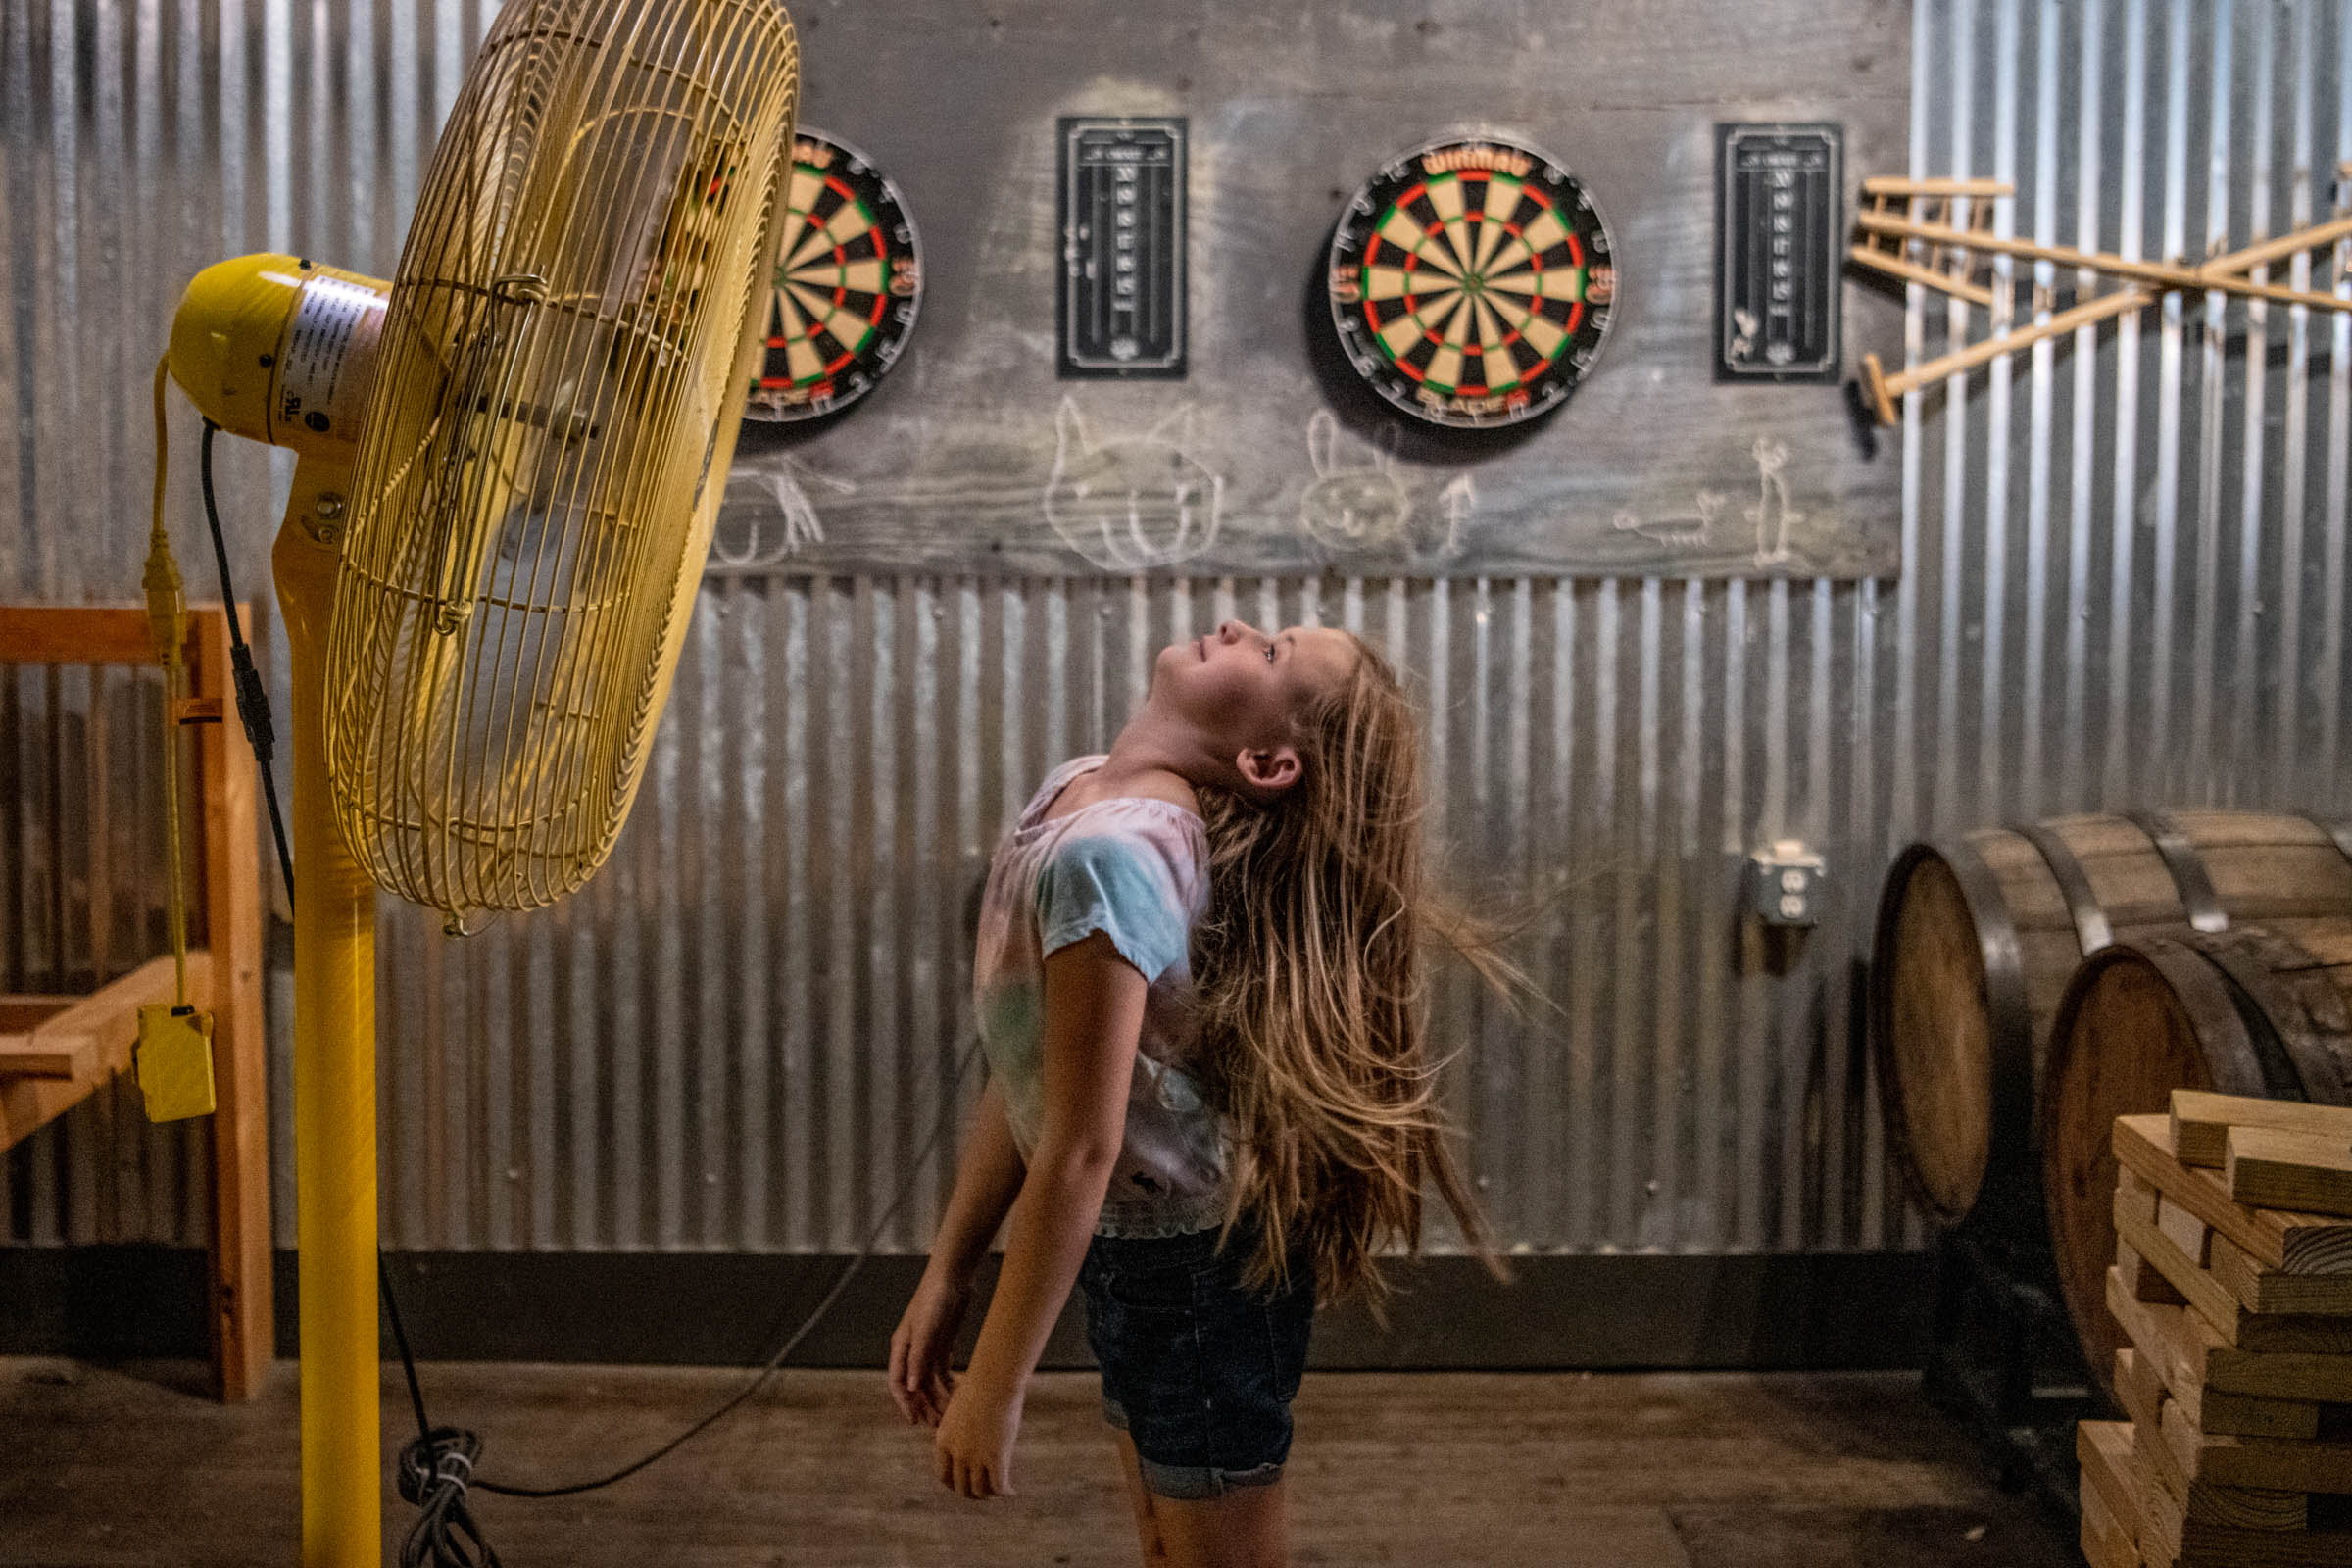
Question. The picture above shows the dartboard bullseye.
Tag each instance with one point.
(845, 289)
(1471, 282)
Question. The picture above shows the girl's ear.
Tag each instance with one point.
(1268, 772)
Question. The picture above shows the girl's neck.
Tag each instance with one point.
(1154, 758)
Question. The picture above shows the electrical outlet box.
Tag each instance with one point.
(1784, 884)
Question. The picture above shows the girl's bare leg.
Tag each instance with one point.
(1146, 1519)
(1247, 1528)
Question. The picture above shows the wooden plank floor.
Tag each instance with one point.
(112, 1467)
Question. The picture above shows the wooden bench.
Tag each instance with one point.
(56, 1049)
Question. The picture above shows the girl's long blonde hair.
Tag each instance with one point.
(1312, 966)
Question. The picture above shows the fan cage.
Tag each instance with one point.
(564, 362)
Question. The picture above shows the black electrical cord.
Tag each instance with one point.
(253, 698)
(437, 1466)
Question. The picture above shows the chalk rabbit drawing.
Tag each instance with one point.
(1133, 503)
(1352, 509)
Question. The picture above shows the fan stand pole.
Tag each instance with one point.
(334, 1077)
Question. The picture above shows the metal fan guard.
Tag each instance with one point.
(563, 366)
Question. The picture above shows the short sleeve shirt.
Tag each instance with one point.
(1137, 870)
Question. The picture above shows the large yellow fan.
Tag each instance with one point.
(510, 461)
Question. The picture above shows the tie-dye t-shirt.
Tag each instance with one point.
(1137, 870)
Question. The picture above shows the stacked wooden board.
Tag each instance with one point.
(2238, 1375)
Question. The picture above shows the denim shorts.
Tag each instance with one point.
(1198, 1371)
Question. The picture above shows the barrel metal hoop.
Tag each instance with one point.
(2181, 857)
(2250, 959)
(2205, 987)
(2250, 987)
(2092, 929)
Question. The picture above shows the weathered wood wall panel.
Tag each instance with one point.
(1650, 467)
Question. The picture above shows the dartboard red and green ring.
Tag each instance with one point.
(847, 282)
(1471, 282)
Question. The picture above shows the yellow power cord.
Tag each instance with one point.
(174, 1053)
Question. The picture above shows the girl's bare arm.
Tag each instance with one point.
(988, 1178)
(1094, 1016)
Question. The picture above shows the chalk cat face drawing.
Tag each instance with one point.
(1348, 508)
(1135, 501)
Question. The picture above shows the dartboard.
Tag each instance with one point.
(1471, 282)
(846, 285)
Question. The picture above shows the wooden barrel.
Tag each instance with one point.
(1977, 937)
(2261, 1011)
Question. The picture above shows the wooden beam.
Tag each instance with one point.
(2267, 1167)
(2265, 1290)
(2143, 1279)
(2162, 273)
(84, 634)
(1911, 272)
(2275, 1239)
(1897, 185)
(110, 1015)
(2197, 1360)
(76, 634)
(2201, 1121)
(31, 1046)
(2104, 1450)
(2206, 1501)
(1884, 388)
(2268, 1333)
(2272, 1463)
(2253, 255)
(243, 1329)
(2105, 1539)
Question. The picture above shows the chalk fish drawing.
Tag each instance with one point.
(1680, 532)
(781, 478)
(1136, 502)
(1352, 509)
(1771, 517)
(1771, 501)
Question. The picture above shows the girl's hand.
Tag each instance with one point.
(922, 1347)
(974, 1445)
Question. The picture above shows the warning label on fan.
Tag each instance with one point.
(329, 357)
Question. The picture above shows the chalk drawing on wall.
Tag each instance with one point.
(1132, 503)
(1772, 517)
(1772, 514)
(1457, 504)
(1348, 509)
(795, 525)
(1680, 532)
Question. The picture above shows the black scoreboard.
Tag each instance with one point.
(1780, 248)
(1120, 304)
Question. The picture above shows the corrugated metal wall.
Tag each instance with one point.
(2124, 581)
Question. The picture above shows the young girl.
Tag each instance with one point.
(1200, 987)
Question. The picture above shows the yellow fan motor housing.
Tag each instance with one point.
(280, 350)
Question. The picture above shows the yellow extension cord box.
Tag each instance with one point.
(174, 1061)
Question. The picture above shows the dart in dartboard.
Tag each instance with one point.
(1471, 282)
(844, 290)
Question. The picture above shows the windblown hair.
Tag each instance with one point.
(1313, 971)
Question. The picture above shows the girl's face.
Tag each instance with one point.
(1243, 689)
